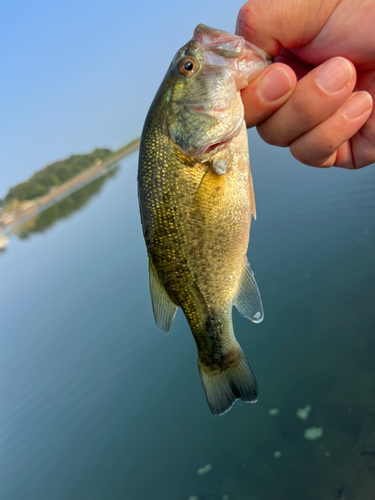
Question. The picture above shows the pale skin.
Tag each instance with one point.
(317, 99)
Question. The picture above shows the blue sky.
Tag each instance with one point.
(81, 74)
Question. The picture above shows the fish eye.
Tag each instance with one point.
(186, 66)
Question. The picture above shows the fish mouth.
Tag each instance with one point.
(244, 58)
(226, 44)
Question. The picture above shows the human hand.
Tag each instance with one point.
(327, 117)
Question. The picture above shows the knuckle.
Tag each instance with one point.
(296, 152)
(301, 155)
(312, 157)
(270, 136)
(246, 19)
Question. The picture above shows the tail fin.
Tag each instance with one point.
(232, 380)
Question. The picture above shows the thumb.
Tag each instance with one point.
(273, 24)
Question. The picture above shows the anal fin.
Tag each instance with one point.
(163, 307)
(248, 301)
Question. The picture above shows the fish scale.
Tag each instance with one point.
(196, 203)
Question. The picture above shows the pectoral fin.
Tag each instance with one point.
(248, 301)
(220, 166)
(164, 309)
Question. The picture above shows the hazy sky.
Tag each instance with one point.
(81, 74)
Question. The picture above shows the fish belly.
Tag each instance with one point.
(196, 225)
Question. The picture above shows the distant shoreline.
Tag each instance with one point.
(42, 203)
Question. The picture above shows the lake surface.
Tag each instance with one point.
(97, 403)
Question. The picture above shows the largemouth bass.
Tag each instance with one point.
(196, 202)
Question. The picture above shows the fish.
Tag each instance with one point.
(196, 202)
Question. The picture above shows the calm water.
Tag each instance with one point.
(97, 404)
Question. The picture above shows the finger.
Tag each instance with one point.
(360, 150)
(270, 90)
(270, 24)
(363, 144)
(316, 97)
(318, 147)
(300, 68)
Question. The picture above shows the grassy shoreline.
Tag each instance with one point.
(28, 209)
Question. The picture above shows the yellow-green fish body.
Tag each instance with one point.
(196, 202)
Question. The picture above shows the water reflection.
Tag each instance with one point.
(97, 403)
(65, 208)
(4, 242)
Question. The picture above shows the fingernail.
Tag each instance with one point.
(274, 85)
(357, 105)
(334, 74)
